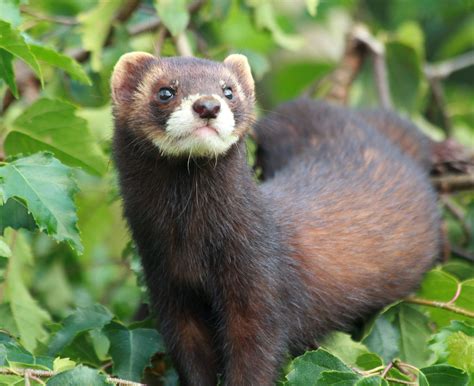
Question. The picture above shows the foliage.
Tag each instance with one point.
(68, 272)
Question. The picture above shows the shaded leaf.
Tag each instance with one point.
(383, 339)
(83, 319)
(306, 369)
(51, 203)
(131, 350)
(368, 361)
(78, 376)
(64, 62)
(17, 356)
(174, 14)
(6, 71)
(95, 27)
(443, 375)
(12, 41)
(28, 316)
(338, 378)
(52, 125)
(14, 214)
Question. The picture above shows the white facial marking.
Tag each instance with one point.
(181, 139)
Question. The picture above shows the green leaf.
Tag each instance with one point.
(306, 369)
(11, 380)
(14, 214)
(17, 356)
(174, 15)
(383, 339)
(368, 361)
(265, 19)
(404, 72)
(12, 41)
(83, 319)
(441, 286)
(455, 345)
(28, 317)
(10, 11)
(52, 125)
(374, 380)
(5, 250)
(338, 378)
(444, 375)
(78, 376)
(312, 6)
(414, 335)
(6, 71)
(51, 203)
(342, 345)
(63, 364)
(131, 350)
(95, 27)
(462, 270)
(64, 62)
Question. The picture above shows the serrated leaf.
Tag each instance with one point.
(83, 319)
(79, 376)
(312, 6)
(306, 369)
(52, 125)
(95, 27)
(342, 345)
(174, 15)
(64, 62)
(14, 214)
(12, 41)
(444, 375)
(51, 203)
(6, 71)
(455, 345)
(18, 357)
(383, 339)
(339, 378)
(374, 380)
(28, 317)
(131, 350)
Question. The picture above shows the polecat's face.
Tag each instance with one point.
(185, 106)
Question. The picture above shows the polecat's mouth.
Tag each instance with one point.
(205, 131)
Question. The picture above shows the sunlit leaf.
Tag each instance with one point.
(79, 376)
(174, 14)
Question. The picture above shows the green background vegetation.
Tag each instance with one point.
(70, 280)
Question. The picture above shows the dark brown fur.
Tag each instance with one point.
(240, 274)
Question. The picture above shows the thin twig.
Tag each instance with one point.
(53, 19)
(446, 68)
(452, 183)
(183, 47)
(386, 370)
(442, 305)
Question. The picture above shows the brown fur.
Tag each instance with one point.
(240, 274)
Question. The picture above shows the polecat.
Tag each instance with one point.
(240, 274)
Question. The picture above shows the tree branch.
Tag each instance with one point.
(442, 305)
(32, 373)
(453, 182)
(444, 69)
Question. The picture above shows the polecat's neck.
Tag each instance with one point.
(191, 210)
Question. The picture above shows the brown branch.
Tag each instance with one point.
(457, 213)
(34, 373)
(437, 93)
(442, 305)
(453, 183)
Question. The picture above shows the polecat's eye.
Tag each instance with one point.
(165, 94)
(228, 93)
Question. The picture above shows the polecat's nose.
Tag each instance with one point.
(207, 107)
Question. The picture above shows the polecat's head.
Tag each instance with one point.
(185, 106)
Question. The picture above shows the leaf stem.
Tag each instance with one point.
(445, 306)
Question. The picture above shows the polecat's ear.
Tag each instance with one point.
(240, 65)
(127, 74)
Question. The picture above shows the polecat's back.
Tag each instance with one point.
(361, 216)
